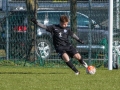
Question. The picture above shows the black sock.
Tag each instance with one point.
(71, 66)
(81, 61)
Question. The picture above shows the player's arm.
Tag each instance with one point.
(77, 38)
(39, 24)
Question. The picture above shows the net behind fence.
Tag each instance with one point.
(116, 38)
(23, 42)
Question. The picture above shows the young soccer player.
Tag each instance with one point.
(60, 33)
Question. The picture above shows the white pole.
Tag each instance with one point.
(110, 57)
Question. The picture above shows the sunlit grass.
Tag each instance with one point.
(40, 78)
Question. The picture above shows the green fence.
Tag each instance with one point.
(24, 43)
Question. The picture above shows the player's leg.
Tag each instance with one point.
(80, 59)
(74, 53)
(61, 50)
(66, 58)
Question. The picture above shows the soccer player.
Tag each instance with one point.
(60, 33)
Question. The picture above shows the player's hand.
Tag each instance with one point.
(34, 20)
(80, 41)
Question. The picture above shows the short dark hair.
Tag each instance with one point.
(64, 18)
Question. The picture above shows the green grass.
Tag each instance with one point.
(40, 78)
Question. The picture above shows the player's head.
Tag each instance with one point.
(64, 21)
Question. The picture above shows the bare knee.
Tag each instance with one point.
(77, 56)
(65, 57)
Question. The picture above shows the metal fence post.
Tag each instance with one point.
(7, 32)
(117, 14)
(89, 34)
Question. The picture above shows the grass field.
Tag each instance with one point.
(40, 78)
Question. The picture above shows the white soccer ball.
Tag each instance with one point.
(91, 70)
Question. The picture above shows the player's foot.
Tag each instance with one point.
(85, 64)
(77, 73)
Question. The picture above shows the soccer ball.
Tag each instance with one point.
(91, 70)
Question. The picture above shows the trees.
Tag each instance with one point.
(31, 6)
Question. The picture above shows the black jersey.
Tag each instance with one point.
(60, 35)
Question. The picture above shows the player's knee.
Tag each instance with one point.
(65, 57)
(77, 56)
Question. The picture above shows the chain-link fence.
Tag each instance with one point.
(21, 41)
(116, 36)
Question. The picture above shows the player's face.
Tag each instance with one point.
(64, 24)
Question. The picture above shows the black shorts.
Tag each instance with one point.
(70, 50)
